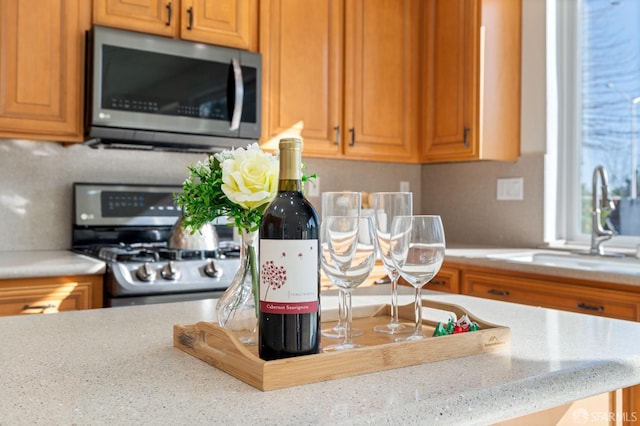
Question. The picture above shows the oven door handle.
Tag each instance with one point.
(238, 94)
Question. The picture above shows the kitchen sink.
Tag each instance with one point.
(612, 264)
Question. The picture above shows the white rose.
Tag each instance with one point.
(250, 177)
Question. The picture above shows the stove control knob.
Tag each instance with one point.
(170, 272)
(146, 272)
(212, 269)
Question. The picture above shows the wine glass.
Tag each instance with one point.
(340, 203)
(417, 251)
(348, 255)
(387, 205)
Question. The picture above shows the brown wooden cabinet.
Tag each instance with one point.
(232, 23)
(447, 280)
(50, 294)
(471, 86)
(551, 292)
(342, 74)
(42, 68)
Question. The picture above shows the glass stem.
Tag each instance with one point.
(341, 319)
(418, 313)
(349, 318)
(394, 299)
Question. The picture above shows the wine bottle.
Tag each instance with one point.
(289, 314)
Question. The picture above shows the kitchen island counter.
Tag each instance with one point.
(116, 366)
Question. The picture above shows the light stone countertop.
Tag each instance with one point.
(495, 257)
(47, 263)
(118, 366)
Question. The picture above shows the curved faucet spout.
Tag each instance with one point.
(598, 234)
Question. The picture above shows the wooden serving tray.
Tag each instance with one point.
(220, 348)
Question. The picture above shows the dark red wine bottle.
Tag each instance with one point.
(289, 315)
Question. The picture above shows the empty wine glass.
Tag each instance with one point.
(348, 255)
(340, 203)
(387, 205)
(417, 251)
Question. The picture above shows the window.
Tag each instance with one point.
(598, 58)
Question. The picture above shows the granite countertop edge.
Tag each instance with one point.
(47, 263)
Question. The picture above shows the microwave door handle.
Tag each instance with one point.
(239, 94)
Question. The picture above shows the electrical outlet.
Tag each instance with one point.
(404, 186)
(510, 189)
(313, 187)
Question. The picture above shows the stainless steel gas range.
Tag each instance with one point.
(129, 227)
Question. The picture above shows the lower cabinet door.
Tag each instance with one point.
(47, 295)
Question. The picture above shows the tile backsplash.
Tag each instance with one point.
(36, 190)
(36, 183)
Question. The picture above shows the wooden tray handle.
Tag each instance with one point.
(211, 336)
(406, 312)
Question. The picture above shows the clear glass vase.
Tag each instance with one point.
(237, 308)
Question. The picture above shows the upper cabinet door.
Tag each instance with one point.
(450, 56)
(471, 91)
(150, 16)
(230, 23)
(301, 45)
(343, 75)
(381, 76)
(42, 68)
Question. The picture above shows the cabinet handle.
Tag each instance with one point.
(169, 13)
(588, 307)
(353, 136)
(337, 129)
(466, 136)
(438, 282)
(498, 292)
(41, 307)
(190, 13)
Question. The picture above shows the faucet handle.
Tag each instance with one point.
(606, 203)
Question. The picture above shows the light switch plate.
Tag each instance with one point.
(510, 189)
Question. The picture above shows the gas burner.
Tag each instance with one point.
(178, 254)
(124, 253)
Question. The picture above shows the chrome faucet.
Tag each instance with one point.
(598, 234)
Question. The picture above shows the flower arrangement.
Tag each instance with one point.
(238, 184)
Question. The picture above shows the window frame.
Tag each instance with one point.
(564, 76)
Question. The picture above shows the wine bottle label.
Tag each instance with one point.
(288, 276)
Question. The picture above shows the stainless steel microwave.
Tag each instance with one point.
(153, 92)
